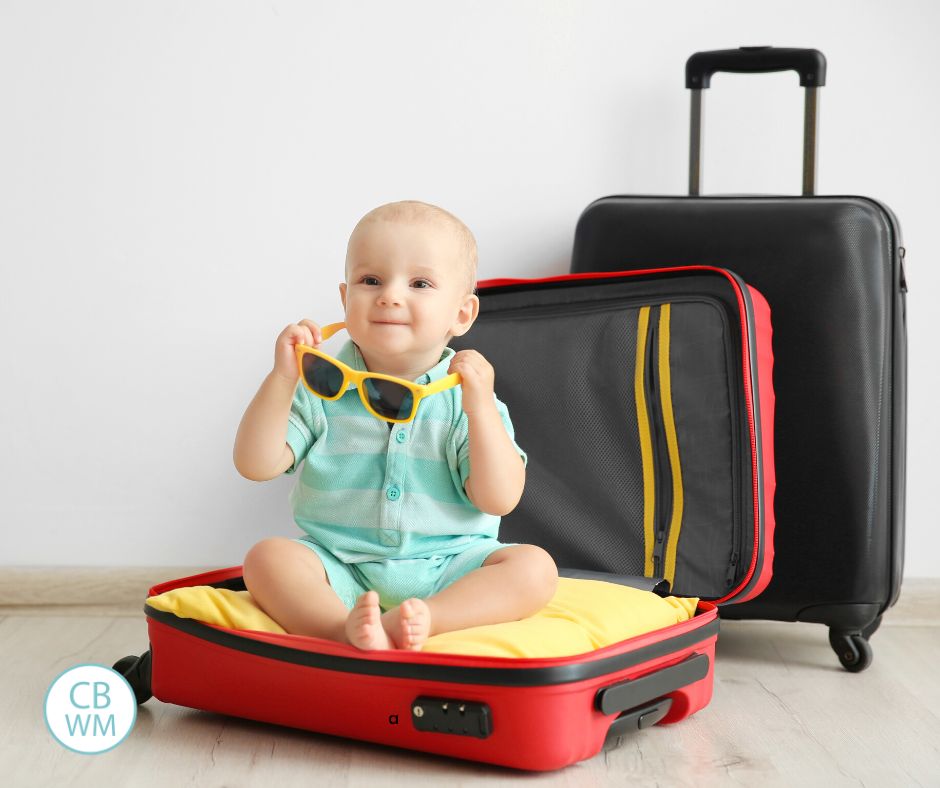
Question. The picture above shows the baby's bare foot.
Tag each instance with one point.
(364, 624)
(409, 625)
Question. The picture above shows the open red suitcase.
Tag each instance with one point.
(644, 401)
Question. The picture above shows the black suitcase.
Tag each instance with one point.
(832, 270)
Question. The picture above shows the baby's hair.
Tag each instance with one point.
(416, 211)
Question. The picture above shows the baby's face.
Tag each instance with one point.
(405, 293)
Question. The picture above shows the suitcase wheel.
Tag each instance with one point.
(137, 672)
(852, 648)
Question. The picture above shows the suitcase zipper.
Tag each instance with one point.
(732, 570)
(666, 463)
(662, 498)
(739, 536)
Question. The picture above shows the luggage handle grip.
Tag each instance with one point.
(627, 695)
(810, 64)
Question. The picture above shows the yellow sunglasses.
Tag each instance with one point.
(386, 397)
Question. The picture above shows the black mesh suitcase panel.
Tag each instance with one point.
(583, 499)
(566, 366)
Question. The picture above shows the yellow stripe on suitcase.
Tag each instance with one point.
(672, 441)
(646, 444)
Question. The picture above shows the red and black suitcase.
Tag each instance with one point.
(644, 401)
(832, 268)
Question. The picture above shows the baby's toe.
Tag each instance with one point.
(416, 623)
(363, 625)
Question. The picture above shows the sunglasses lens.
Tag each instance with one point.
(388, 399)
(324, 378)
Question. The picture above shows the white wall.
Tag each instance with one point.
(178, 180)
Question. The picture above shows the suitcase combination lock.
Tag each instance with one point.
(460, 717)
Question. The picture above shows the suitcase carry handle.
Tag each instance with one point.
(810, 64)
(628, 695)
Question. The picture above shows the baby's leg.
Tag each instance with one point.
(513, 583)
(289, 583)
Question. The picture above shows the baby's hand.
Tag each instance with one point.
(477, 380)
(306, 332)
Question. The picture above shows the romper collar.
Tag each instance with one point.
(349, 354)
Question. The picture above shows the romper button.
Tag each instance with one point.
(402, 436)
(393, 493)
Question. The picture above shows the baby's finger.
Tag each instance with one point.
(474, 355)
(305, 335)
(300, 335)
(291, 335)
(297, 335)
(316, 335)
(471, 369)
(467, 373)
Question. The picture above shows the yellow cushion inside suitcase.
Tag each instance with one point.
(584, 615)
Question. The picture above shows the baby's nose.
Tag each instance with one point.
(390, 295)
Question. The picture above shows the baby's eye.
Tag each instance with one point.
(421, 284)
(369, 280)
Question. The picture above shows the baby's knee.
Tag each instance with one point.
(540, 570)
(263, 558)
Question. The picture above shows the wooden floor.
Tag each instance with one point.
(784, 714)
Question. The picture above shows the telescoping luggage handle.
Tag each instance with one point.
(810, 64)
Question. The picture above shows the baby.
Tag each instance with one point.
(400, 520)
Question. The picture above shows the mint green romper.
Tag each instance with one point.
(385, 509)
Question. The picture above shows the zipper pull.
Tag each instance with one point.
(902, 253)
(732, 570)
(658, 553)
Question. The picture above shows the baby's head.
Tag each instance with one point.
(454, 245)
(410, 273)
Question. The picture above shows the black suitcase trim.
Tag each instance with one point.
(424, 671)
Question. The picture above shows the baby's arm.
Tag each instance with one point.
(497, 472)
(261, 450)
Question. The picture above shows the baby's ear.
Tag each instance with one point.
(342, 294)
(469, 310)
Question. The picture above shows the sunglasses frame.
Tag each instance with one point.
(418, 391)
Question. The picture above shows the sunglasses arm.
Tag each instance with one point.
(327, 331)
(446, 382)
